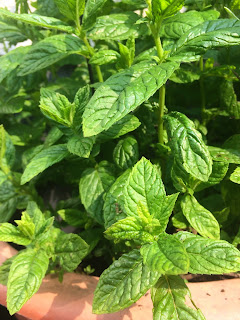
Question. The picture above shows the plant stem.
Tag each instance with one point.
(85, 40)
(91, 51)
(162, 92)
(203, 97)
(159, 48)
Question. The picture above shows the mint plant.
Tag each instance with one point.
(121, 120)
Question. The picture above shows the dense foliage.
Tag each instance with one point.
(121, 123)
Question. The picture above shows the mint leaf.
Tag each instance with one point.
(208, 35)
(81, 146)
(73, 217)
(26, 225)
(165, 210)
(166, 255)
(224, 155)
(176, 26)
(122, 93)
(168, 298)
(219, 170)
(81, 99)
(38, 20)
(114, 201)
(7, 151)
(104, 57)
(125, 125)
(189, 151)
(144, 184)
(4, 270)
(126, 154)
(200, 218)
(11, 60)
(37, 217)
(93, 185)
(72, 9)
(118, 26)
(7, 209)
(56, 107)
(25, 276)
(43, 160)
(50, 50)
(235, 176)
(209, 256)
(70, 250)
(123, 283)
(92, 10)
(10, 233)
(165, 8)
(129, 228)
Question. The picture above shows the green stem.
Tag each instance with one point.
(159, 48)
(203, 96)
(91, 51)
(162, 92)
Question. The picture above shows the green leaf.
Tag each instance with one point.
(7, 209)
(119, 26)
(56, 107)
(114, 201)
(129, 228)
(219, 170)
(104, 57)
(50, 50)
(208, 35)
(144, 184)
(10, 233)
(81, 146)
(92, 10)
(70, 249)
(7, 151)
(224, 155)
(123, 283)
(235, 176)
(125, 154)
(72, 9)
(165, 210)
(165, 8)
(122, 93)
(81, 99)
(4, 270)
(37, 217)
(26, 273)
(38, 20)
(168, 296)
(73, 217)
(43, 160)
(167, 256)
(209, 256)
(11, 33)
(174, 27)
(200, 218)
(53, 136)
(11, 60)
(26, 225)
(189, 151)
(93, 185)
(125, 125)
(179, 221)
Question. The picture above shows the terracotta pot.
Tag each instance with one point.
(72, 299)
